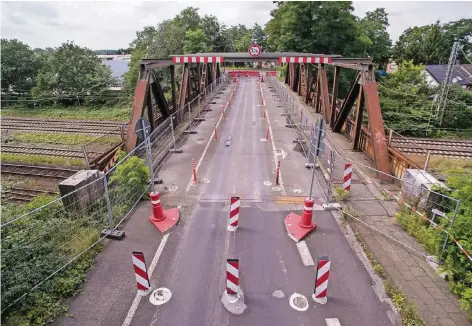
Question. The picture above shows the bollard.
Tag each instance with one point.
(347, 176)
(162, 220)
(232, 276)
(321, 284)
(277, 174)
(140, 271)
(298, 226)
(194, 172)
(234, 214)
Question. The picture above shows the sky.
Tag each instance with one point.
(113, 25)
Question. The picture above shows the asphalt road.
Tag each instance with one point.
(193, 263)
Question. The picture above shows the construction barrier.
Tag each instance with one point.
(234, 214)
(298, 226)
(347, 176)
(162, 220)
(232, 276)
(321, 285)
(140, 271)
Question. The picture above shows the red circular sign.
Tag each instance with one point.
(254, 50)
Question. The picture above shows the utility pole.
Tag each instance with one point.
(442, 101)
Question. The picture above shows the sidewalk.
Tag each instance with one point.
(404, 267)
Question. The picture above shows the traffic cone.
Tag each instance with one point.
(163, 220)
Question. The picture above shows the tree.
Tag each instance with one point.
(374, 27)
(316, 27)
(72, 71)
(432, 44)
(259, 36)
(19, 66)
(196, 41)
(213, 31)
(188, 19)
(144, 38)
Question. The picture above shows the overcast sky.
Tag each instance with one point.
(112, 25)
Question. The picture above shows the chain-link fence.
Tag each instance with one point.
(39, 246)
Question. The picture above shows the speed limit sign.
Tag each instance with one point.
(254, 50)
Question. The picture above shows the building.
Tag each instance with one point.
(461, 75)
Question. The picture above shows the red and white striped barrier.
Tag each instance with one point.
(111, 163)
(347, 176)
(321, 284)
(195, 59)
(162, 220)
(305, 59)
(234, 214)
(277, 173)
(232, 277)
(194, 170)
(140, 271)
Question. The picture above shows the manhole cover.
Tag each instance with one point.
(267, 183)
(160, 296)
(173, 188)
(205, 181)
(276, 188)
(298, 302)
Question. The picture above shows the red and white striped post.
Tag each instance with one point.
(267, 132)
(277, 174)
(140, 271)
(232, 276)
(215, 135)
(347, 176)
(321, 286)
(234, 214)
(195, 170)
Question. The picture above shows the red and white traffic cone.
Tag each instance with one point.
(321, 286)
(347, 176)
(215, 135)
(140, 271)
(234, 214)
(277, 172)
(267, 132)
(194, 169)
(232, 277)
(162, 220)
(298, 226)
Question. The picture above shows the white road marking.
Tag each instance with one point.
(305, 254)
(332, 322)
(274, 151)
(137, 298)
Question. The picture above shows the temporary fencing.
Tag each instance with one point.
(39, 245)
(436, 208)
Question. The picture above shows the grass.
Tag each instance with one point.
(340, 194)
(444, 165)
(118, 113)
(61, 139)
(43, 160)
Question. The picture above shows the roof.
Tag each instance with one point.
(459, 76)
(467, 68)
(118, 67)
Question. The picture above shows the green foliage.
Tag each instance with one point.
(72, 71)
(409, 315)
(62, 139)
(373, 28)
(43, 160)
(340, 194)
(119, 112)
(431, 44)
(196, 41)
(19, 66)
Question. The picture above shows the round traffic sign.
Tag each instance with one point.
(254, 50)
(143, 127)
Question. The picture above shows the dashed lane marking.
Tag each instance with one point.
(305, 254)
(332, 322)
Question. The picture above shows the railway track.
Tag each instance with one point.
(37, 171)
(24, 194)
(64, 126)
(439, 147)
(49, 151)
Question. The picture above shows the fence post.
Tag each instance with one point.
(85, 155)
(331, 168)
(390, 136)
(189, 116)
(172, 128)
(110, 232)
(447, 234)
(147, 144)
(426, 163)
